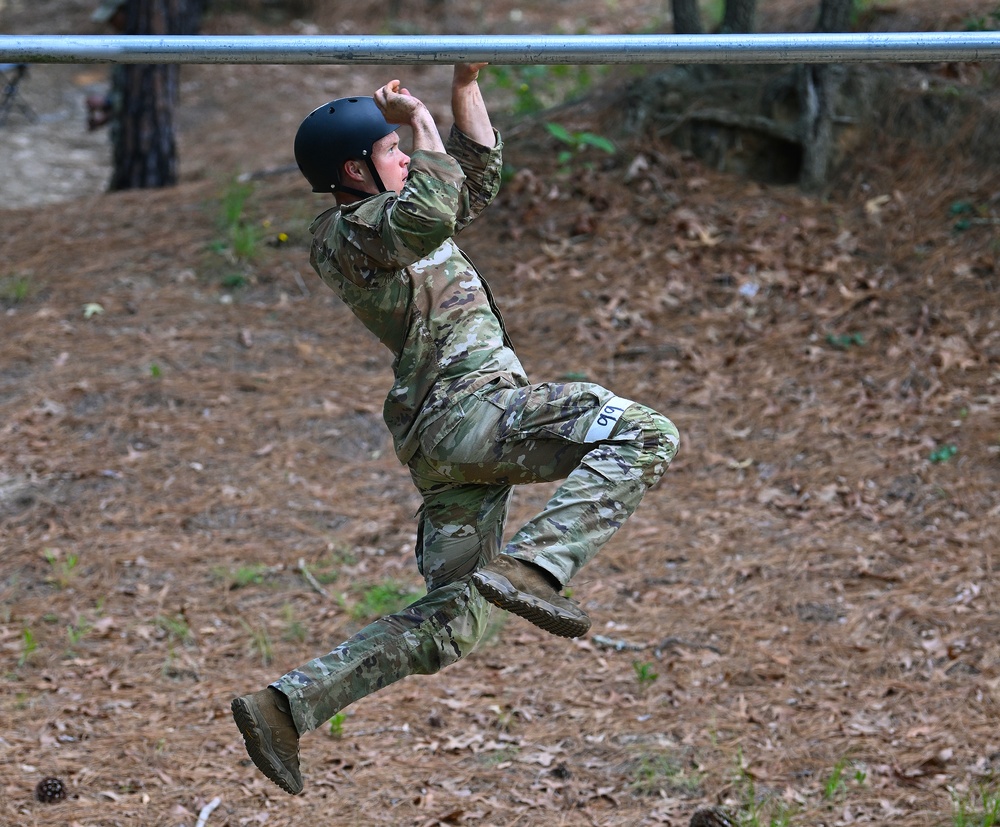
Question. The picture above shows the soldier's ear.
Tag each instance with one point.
(354, 171)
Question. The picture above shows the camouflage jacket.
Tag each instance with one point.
(393, 261)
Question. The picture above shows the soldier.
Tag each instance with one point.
(463, 416)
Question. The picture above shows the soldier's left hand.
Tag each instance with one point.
(466, 73)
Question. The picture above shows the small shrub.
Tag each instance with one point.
(383, 599)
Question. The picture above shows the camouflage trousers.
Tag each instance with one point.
(609, 451)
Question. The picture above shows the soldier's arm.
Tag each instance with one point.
(400, 107)
(392, 231)
(468, 106)
(475, 144)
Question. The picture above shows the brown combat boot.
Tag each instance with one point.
(265, 720)
(525, 590)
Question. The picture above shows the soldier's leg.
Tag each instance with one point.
(459, 530)
(426, 636)
(625, 454)
(608, 450)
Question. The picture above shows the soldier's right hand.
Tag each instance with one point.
(397, 104)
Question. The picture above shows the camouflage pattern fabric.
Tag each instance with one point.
(468, 424)
(500, 436)
(504, 436)
(393, 261)
(428, 635)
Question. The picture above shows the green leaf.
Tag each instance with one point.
(598, 142)
(560, 132)
(944, 453)
(843, 341)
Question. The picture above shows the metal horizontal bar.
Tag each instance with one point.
(925, 47)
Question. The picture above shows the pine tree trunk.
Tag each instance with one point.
(739, 17)
(819, 86)
(835, 15)
(687, 17)
(144, 149)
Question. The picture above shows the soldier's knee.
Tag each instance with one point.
(656, 436)
(667, 437)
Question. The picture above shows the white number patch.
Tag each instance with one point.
(607, 418)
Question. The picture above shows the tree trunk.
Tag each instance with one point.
(835, 15)
(687, 17)
(739, 17)
(818, 89)
(144, 150)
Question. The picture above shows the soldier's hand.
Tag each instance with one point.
(466, 73)
(397, 104)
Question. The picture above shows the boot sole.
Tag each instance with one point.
(499, 591)
(256, 736)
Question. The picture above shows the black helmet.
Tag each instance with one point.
(339, 131)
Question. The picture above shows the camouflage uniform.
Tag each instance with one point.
(467, 423)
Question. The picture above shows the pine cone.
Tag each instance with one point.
(50, 790)
(711, 817)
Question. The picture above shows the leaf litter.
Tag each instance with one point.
(812, 583)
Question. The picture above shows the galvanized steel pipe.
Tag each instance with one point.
(924, 47)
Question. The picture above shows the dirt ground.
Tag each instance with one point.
(197, 492)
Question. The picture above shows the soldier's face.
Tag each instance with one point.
(391, 162)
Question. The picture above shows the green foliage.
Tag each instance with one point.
(979, 809)
(14, 289)
(241, 237)
(757, 809)
(943, 454)
(28, 646)
(77, 631)
(494, 758)
(260, 643)
(63, 568)
(244, 239)
(654, 774)
(983, 23)
(383, 599)
(844, 341)
(858, 9)
(534, 88)
(644, 673)
(969, 214)
(836, 783)
(327, 570)
(294, 630)
(337, 725)
(175, 626)
(713, 12)
(233, 202)
(251, 574)
(576, 143)
(234, 281)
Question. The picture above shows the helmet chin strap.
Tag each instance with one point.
(375, 176)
